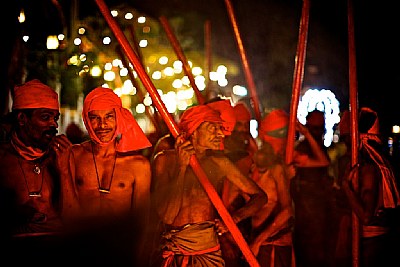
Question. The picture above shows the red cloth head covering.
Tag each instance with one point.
(130, 135)
(227, 114)
(389, 194)
(35, 94)
(196, 115)
(344, 124)
(242, 113)
(269, 130)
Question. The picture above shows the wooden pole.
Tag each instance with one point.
(179, 52)
(353, 125)
(246, 68)
(297, 79)
(208, 58)
(201, 175)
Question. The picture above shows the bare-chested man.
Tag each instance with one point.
(373, 195)
(30, 223)
(191, 220)
(112, 178)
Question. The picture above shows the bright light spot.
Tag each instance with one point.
(163, 60)
(185, 80)
(322, 100)
(222, 69)
(239, 90)
(140, 108)
(156, 75)
(25, 38)
(200, 82)
(123, 72)
(132, 89)
(147, 101)
(253, 128)
(141, 19)
(81, 30)
(95, 71)
(396, 129)
(177, 83)
(169, 101)
(106, 40)
(114, 13)
(73, 60)
(61, 37)
(82, 57)
(182, 105)
(109, 76)
(52, 42)
(128, 15)
(21, 17)
(85, 68)
(118, 92)
(213, 76)
(177, 64)
(222, 82)
(77, 41)
(143, 43)
(197, 71)
(117, 63)
(108, 66)
(169, 71)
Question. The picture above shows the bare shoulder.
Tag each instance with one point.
(81, 149)
(134, 158)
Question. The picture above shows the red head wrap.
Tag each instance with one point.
(130, 135)
(194, 116)
(273, 129)
(35, 94)
(242, 113)
(227, 114)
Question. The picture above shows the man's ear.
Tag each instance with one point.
(22, 118)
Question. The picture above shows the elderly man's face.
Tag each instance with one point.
(104, 124)
(209, 135)
(40, 127)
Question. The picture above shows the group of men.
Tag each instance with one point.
(93, 201)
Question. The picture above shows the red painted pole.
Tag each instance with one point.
(208, 52)
(179, 52)
(353, 125)
(298, 78)
(245, 63)
(208, 187)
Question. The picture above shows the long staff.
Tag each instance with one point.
(353, 125)
(179, 52)
(298, 78)
(194, 163)
(245, 63)
(208, 52)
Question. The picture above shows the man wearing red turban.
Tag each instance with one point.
(190, 220)
(111, 176)
(29, 176)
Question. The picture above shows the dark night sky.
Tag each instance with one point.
(269, 29)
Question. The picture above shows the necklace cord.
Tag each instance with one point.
(100, 187)
(36, 170)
